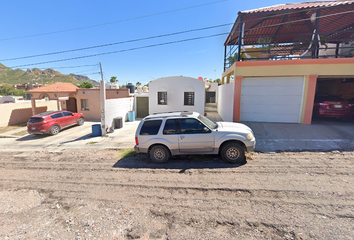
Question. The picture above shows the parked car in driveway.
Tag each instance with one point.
(332, 106)
(178, 133)
(53, 121)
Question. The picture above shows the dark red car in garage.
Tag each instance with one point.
(53, 121)
(332, 106)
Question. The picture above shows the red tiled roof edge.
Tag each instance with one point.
(55, 87)
(302, 5)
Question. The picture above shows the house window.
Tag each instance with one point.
(162, 98)
(84, 104)
(189, 98)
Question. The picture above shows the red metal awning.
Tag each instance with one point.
(286, 23)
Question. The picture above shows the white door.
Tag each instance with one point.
(267, 99)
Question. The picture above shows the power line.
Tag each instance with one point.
(116, 43)
(160, 44)
(107, 23)
(119, 51)
(79, 66)
(158, 36)
(77, 73)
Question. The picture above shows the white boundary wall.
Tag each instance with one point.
(225, 101)
(118, 108)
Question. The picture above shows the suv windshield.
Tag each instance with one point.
(207, 122)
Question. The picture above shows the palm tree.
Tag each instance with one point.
(113, 79)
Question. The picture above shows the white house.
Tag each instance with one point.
(176, 94)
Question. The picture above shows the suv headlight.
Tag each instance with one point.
(250, 136)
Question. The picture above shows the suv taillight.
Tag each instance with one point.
(136, 141)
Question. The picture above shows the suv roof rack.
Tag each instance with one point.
(169, 114)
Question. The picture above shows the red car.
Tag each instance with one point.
(52, 122)
(332, 106)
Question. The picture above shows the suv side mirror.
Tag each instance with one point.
(206, 130)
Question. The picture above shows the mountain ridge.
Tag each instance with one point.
(36, 75)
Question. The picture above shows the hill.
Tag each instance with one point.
(36, 75)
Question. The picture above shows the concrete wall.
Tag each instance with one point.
(301, 67)
(225, 101)
(118, 108)
(175, 87)
(14, 113)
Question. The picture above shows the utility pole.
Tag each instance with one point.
(103, 103)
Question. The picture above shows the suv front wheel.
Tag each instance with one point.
(159, 154)
(233, 152)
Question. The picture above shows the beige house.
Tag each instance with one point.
(274, 67)
(71, 98)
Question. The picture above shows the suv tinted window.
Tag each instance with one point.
(170, 127)
(191, 125)
(150, 127)
(57, 115)
(36, 120)
(66, 114)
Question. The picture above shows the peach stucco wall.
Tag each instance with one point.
(93, 96)
(309, 68)
(13, 113)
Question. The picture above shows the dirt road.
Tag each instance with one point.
(94, 194)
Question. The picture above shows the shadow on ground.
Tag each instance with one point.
(177, 162)
(31, 137)
(87, 136)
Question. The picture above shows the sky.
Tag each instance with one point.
(43, 27)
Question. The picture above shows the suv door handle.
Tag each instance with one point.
(182, 137)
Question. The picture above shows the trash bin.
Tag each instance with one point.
(131, 116)
(117, 122)
(96, 130)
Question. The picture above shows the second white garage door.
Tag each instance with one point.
(277, 99)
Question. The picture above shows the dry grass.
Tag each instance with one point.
(22, 133)
(12, 127)
(125, 152)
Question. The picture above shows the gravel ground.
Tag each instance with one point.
(95, 194)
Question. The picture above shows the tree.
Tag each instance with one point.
(113, 79)
(7, 89)
(85, 85)
(138, 84)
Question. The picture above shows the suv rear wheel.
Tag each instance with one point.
(80, 121)
(159, 154)
(233, 152)
(54, 130)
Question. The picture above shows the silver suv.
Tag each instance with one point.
(179, 133)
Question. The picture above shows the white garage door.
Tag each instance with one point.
(275, 99)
